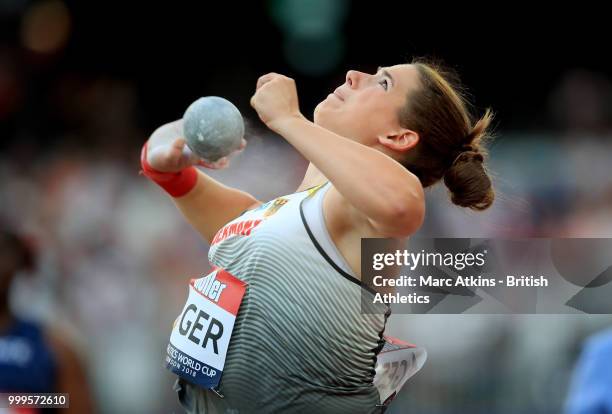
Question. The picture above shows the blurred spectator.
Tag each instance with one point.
(34, 359)
(591, 390)
(581, 104)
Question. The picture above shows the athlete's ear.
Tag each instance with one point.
(401, 140)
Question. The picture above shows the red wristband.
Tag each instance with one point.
(177, 184)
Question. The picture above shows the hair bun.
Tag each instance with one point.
(468, 181)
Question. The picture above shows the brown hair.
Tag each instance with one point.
(451, 144)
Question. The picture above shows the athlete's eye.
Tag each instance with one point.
(384, 83)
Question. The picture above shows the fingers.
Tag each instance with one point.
(221, 162)
(265, 79)
(179, 143)
(243, 144)
(217, 165)
(188, 156)
(268, 77)
(261, 82)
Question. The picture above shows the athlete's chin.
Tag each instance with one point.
(317, 116)
(323, 113)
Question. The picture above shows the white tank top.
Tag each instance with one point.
(313, 213)
(303, 340)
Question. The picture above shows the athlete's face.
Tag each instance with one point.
(366, 106)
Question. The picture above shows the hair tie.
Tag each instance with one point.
(468, 148)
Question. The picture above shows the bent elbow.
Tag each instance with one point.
(409, 218)
(403, 218)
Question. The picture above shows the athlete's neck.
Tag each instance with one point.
(312, 178)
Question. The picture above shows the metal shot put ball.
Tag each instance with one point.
(213, 127)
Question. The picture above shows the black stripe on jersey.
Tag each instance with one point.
(326, 257)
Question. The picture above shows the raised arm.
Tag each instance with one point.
(206, 203)
(382, 192)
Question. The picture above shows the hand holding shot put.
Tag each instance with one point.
(211, 129)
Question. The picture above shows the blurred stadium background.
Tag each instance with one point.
(83, 84)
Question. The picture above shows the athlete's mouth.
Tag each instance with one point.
(338, 94)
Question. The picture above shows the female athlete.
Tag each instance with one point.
(298, 339)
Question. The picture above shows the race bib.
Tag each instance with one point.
(202, 332)
(395, 364)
